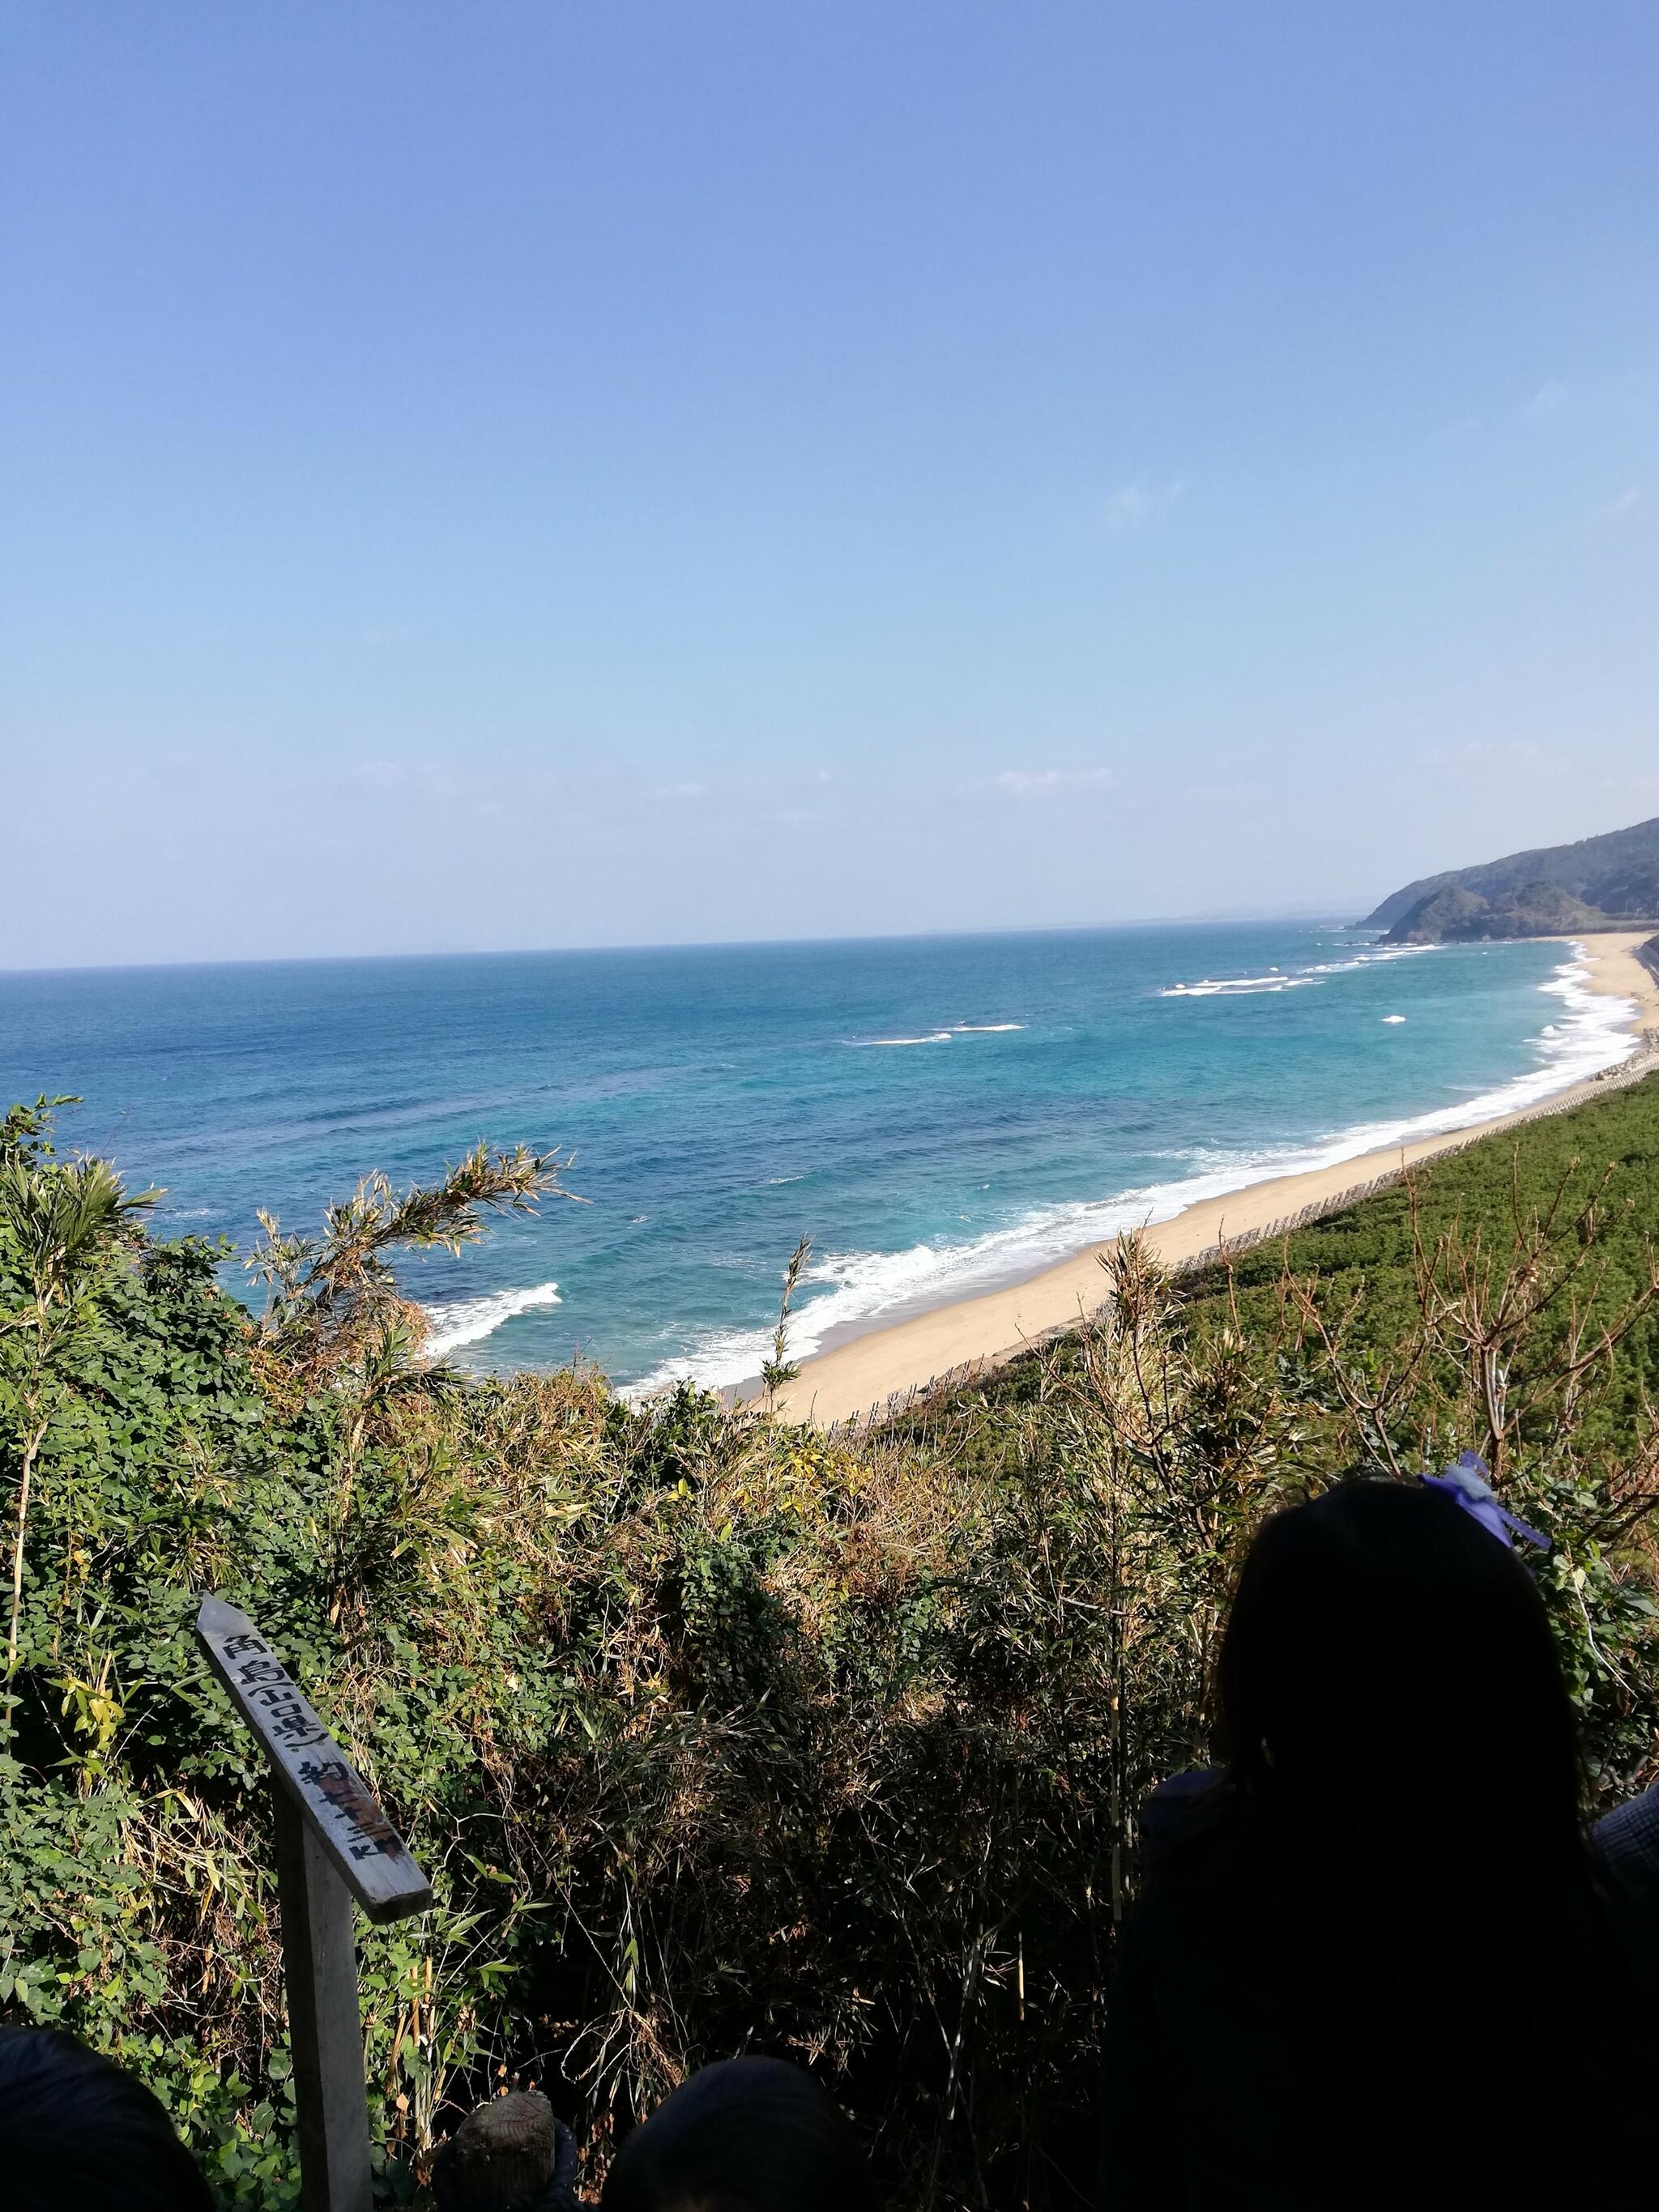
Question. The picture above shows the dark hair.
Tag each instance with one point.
(748, 2134)
(76, 2131)
(1389, 1661)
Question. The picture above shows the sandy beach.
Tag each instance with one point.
(847, 1378)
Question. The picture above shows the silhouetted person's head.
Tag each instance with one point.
(749, 2135)
(1388, 1665)
(77, 2135)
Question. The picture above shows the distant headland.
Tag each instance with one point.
(1610, 882)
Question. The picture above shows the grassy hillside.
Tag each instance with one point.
(1594, 1170)
(713, 1735)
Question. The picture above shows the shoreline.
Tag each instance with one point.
(846, 1380)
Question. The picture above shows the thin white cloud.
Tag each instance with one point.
(1627, 500)
(380, 776)
(1545, 401)
(1484, 750)
(1133, 505)
(1509, 760)
(680, 795)
(1047, 782)
(422, 779)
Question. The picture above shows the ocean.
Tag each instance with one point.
(939, 1115)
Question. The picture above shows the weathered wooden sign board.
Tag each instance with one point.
(333, 1843)
(337, 1803)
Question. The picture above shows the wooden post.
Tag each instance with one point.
(319, 1966)
(333, 1843)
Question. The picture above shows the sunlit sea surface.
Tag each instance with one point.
(939, 1115)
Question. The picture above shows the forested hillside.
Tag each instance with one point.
(712, 1734)
(1589, 884)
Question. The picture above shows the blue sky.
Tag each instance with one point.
(560, 474)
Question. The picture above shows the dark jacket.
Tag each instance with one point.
(1626, 1843)
(1263, 2050)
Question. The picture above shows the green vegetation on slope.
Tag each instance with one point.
(1458, 916)
(712, 1734)
(1595, 882)
(1594, 1171)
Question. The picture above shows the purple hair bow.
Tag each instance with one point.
(1469, 1488)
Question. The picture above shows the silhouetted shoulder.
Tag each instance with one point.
(1187, 1809)
(1625, 1847)
(1202, 1835)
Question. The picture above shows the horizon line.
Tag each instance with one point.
(1311, 914)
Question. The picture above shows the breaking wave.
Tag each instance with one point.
(1292, 979)
(1240, 987)
(469, 1320)
(940, 1036)
(1373, 959)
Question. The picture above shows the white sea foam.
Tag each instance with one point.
(938, 1037)
(1393, 1018)
(1236, 986)
(1373, 956)
(1278, 979)
(468, 1321)
(851, 1289)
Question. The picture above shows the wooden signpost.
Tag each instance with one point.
(333, 1843)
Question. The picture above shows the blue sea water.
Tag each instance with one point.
(939, 1115)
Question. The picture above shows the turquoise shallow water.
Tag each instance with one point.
(938, 1113)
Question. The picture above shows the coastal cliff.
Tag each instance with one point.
(1600, 883)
